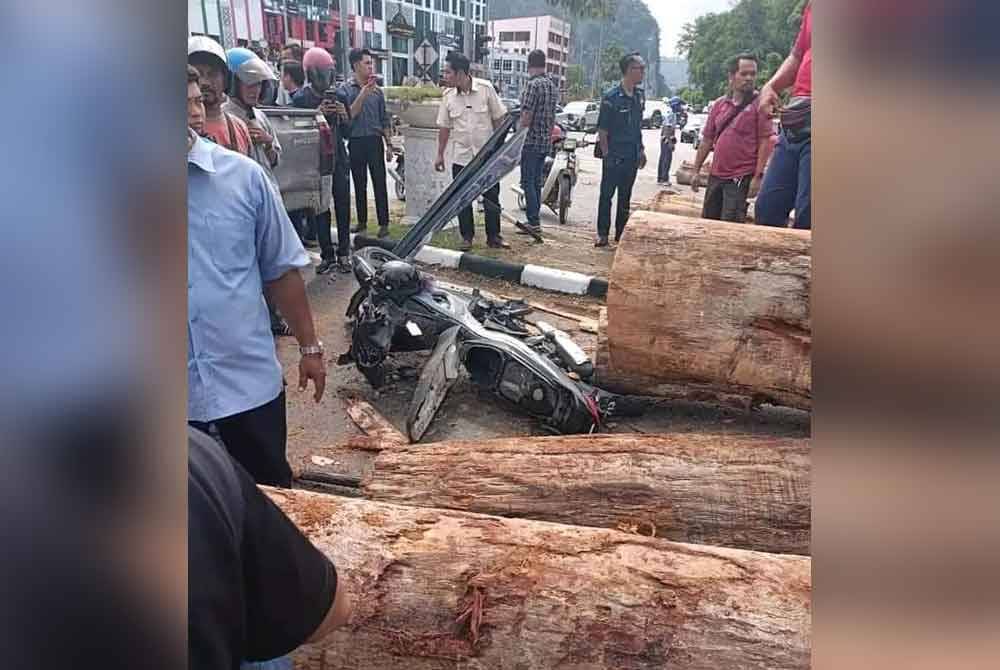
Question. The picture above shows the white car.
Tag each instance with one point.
(579, 115)
(655, 112)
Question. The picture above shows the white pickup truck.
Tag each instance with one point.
(305, 173)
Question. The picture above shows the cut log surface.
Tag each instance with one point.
(716, 306)
(373, 424)
(727, 490)
(665, 203)
(436, 590)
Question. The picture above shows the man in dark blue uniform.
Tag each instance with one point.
(619, 134)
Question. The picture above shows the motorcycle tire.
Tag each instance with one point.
(565, 196)
(522, 204)
(400, 191)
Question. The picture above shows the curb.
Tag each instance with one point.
(535, 276)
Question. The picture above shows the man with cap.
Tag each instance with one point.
(223, 128)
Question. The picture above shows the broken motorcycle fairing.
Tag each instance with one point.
(409, 313)
(398, 308)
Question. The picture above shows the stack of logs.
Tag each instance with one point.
(607, 551)
(613, 551)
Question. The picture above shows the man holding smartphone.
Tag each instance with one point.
(319, 94)
(370, 139)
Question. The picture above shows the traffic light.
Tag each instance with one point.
(481, 51)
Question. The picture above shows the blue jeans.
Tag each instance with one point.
(666, 159)
(532, 166)
(787, 185)
(283, 663)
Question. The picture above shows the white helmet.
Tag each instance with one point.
(205, 44)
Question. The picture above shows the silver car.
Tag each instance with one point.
(579, 115)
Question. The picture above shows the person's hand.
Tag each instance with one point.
(754, 187)
(642, 160)
(340, 110)
(439, 163)
(312, 367)
(328, 108)
(260, 136)
(696, 182)
(768, 101)
(370, 87)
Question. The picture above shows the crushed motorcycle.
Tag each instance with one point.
(536, 368)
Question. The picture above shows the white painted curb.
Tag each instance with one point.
(555, 280)
(446, 258)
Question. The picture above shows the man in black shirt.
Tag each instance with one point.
(257, 588)
(620, 139)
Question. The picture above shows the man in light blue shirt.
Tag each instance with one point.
(240, 244)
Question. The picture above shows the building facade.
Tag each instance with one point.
(513, 39)
(400, 33)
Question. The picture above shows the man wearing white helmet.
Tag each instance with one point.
(249, 75)
(225, 129)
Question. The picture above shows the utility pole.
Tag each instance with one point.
(345, 46)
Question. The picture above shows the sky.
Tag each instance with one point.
(673, 14)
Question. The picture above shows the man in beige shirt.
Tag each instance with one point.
(470, 111)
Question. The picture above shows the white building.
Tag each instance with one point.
(519, 36)
(448, 25)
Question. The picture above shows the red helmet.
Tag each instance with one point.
(317, 58)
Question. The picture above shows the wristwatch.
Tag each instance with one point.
(312, 350)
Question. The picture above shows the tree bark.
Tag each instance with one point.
(719, 307)
(726, 490)
(665, 203)
(436, 590)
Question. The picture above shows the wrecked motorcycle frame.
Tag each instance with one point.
(399, 308)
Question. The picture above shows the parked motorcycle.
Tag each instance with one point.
(558, 177)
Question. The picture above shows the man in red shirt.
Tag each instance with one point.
(788, 183)
(222, 127)
(739, 133)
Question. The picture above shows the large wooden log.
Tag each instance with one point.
(715, 306)
(437, 590)
(666, 203)
(727, 490)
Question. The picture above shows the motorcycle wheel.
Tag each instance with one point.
(565, 193)
(401, 190)
(522, 203)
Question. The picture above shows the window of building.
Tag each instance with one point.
(506, 66)
(553, 54)
(400, 45)
(400, 70)
(423, 21)
(441, 5)
(372, 8)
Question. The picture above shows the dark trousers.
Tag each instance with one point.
(466, 221)
(299, 221)
(342, 210)
(666, 159)
(368, 155)
(787, 185)
(726, 199)
(532, 168)
(256, 439)
(617, 174)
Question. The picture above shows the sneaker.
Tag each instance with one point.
(344, 265)
(325, 266)
(310, 243)
(466, 245)
(529, 229)
(497, 243)
(383, 232)
(601, 241)
(280, 328)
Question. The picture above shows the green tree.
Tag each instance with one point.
(764, 28)
(610, 57)
(577, 87)
(594, 9)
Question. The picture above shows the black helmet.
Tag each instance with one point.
(398, 279)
